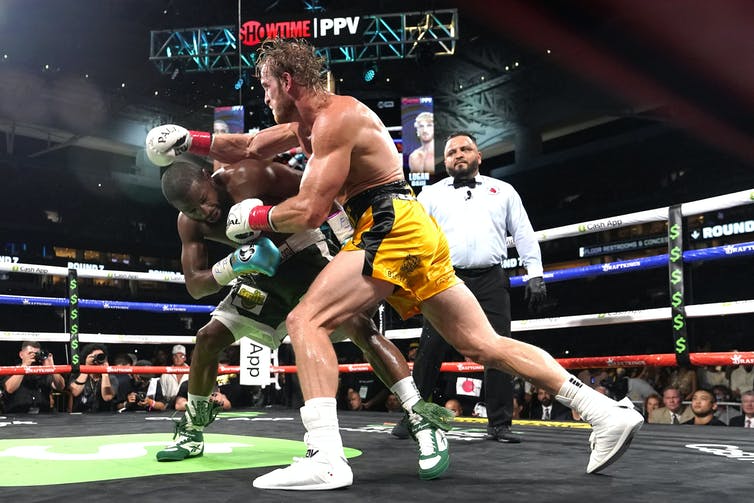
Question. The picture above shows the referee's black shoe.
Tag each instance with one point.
(400, 430)
(503, 434)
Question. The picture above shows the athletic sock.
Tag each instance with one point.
(583, 399)
(320, 418)
(407, 392)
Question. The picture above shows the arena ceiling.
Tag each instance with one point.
(77, 74)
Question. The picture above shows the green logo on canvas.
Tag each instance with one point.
(87, 459)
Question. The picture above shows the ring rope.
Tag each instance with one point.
(652, 360)
(644, 217)
(155, 307)
(582, 320)
(643, 263)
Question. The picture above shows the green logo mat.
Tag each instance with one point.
(86, 459)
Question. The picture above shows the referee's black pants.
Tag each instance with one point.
(491, 288)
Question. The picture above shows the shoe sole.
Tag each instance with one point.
(623, 443)
(436, 471)
(316, 487)
(166, 459)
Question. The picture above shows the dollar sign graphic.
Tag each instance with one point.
(680, 345)
(678, 322)
(675, 254)
(674, 231)
(675, 277)
(677, 299)
(75, 359)
(73, 283)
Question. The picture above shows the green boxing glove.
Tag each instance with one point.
(261, 256)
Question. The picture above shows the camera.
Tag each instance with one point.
(99, 358)
(40, 356)
(140, 396)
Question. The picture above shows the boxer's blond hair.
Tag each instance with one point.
(294, 56)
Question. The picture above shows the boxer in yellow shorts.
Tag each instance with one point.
(403, 245)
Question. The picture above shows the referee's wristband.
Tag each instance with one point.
(80, 383)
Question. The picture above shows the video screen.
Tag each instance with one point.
(229, 120)
(418, 131)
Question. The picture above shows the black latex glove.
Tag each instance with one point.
(536, 292)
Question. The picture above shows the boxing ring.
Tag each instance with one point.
(47, 456)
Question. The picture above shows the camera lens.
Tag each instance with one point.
(99, 358)
(40, 356)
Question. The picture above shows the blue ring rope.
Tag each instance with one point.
(623, 266)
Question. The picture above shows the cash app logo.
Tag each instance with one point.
(86, 459)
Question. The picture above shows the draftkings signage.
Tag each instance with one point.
(320, 31)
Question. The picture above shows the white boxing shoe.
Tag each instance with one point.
(316, 472)
(612, 434)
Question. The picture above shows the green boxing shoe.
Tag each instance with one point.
(434, 456)
(189, 442)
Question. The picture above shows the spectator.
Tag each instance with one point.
(354, 400)
(31, 393)
(454, 406)
(741, 380)
(703, 405)
(673, 411)
(747, 407)
(171, 382)
(371, 390)
(651, 403)
(392, 404)
(144, 391)
(94, 392)
(159, 358)
(638, 388)
(724, 413)
(548, 409)
(711, 376)
(124, 380)
(684, 380)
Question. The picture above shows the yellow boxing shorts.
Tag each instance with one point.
(403, 244)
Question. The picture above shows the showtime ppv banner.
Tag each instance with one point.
(322, 31)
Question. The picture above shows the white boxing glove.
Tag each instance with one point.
(237, 225)
(166, 142)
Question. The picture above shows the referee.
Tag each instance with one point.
(476, 213)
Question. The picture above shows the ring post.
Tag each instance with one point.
(73, 319)
(677, 301)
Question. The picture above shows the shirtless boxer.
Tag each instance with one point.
(397, 253)
(259, 302)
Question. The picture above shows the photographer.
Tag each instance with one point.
(144, 392)
(93, 392)
(31, 393)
